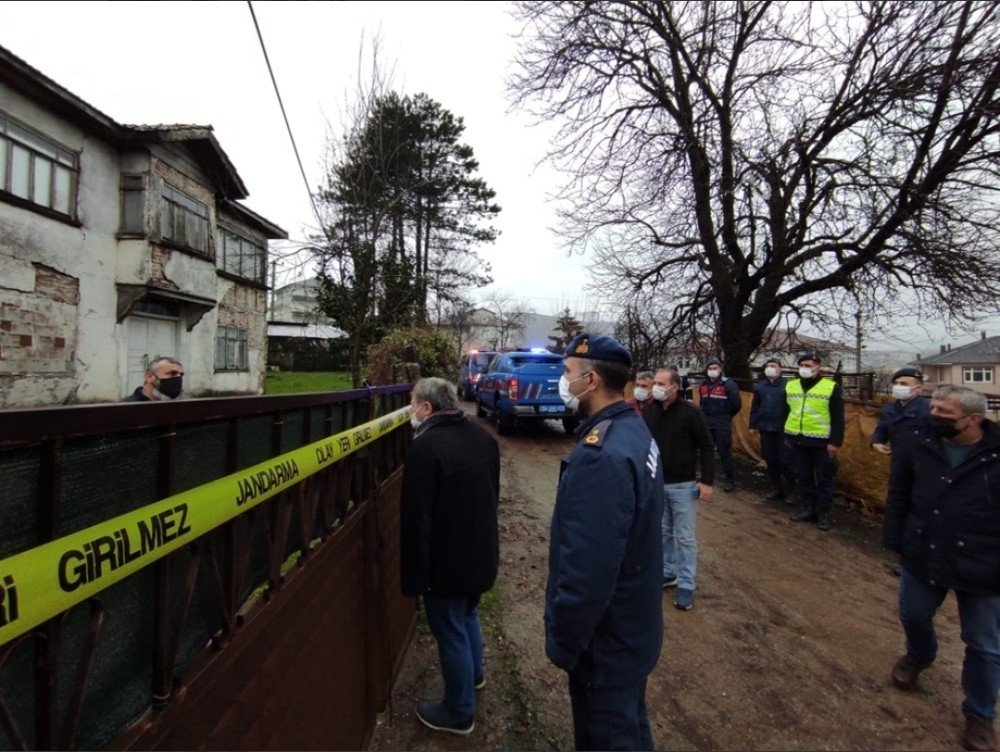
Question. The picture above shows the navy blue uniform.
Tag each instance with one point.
(899, 420)
(720, 401)
(767, 415)
(603, 610)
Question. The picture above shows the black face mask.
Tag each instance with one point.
(171, 387)
(943, 427)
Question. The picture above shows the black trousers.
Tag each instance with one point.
(816, 472)
(610, 718)
(778, 456)
(723, 439)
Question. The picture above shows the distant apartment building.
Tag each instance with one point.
(118, 244)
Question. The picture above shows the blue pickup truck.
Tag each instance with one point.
(471, 369)
(519, 387)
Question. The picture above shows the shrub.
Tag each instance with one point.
(428, 348)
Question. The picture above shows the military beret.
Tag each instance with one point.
(909, 371)
(598, 347)
(809, 356)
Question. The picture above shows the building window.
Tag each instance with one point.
(231, 349)
(241, 257)
(132, 205)
(183, 220)
(37, 170)
(977, 375)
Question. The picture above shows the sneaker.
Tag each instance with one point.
(669, 581)
(728, 486)
(823, 521)
(480, 682)
(806, 516)
(437, 716)
(906, 671)
(978, 734)
(685, 599)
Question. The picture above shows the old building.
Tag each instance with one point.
(119, 243)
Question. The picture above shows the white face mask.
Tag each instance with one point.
(414, 420)
(903, 393)
(714, 374)
(660, 393)
(806, 373)
(569, 399)
(771, 372)
(641, 394)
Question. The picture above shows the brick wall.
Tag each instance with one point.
(38, 329)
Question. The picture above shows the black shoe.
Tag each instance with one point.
(806, 516)
(728, 486)
(437, 716)
(669, 582)
(790, 500)
(775, 495)
(823, 521)
(480, 683)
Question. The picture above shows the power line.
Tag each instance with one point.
(284, 115)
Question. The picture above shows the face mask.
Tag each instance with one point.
(414, 420)
(569, 399)
(660, 393)
(901, 392)
(641, 394)
(170, 388)
(713, 374)
(806, 373)
(771, 372)
(943, 427)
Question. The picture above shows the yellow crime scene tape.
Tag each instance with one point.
(40, 583)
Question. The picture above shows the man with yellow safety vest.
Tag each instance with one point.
(814, 427)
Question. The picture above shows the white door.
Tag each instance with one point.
(148, 338)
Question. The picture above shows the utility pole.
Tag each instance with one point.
(857, 352)
(270, 313)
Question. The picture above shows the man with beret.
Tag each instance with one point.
(909, 409)
(603, 617)
(814, 426)
(720, 401)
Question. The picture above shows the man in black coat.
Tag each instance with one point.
(449, 541)
(943, 517)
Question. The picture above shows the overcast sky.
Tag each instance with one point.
(179, 62)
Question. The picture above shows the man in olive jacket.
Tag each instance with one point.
(449, 541)
(943, 518)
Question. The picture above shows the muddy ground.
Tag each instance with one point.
(789, 644)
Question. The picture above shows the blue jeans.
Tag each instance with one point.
(680, 548)
(606, 718)
(454, 622)
(979, 616)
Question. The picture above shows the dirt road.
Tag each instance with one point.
(788, 647)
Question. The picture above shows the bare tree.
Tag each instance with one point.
(509, 314)
(747, 161)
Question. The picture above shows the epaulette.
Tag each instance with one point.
(595, 438)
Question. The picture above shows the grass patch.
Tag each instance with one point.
(297, 382)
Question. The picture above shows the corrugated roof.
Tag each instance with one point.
(981, 351)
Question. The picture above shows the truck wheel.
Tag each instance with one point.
(570, 424)
(505, 423)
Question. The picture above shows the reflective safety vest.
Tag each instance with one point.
(809, 412)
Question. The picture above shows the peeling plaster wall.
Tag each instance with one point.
(37, 375)
(60, 341)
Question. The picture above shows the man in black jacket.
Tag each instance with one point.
(449, 541)
(682, 436)
(943, 517)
